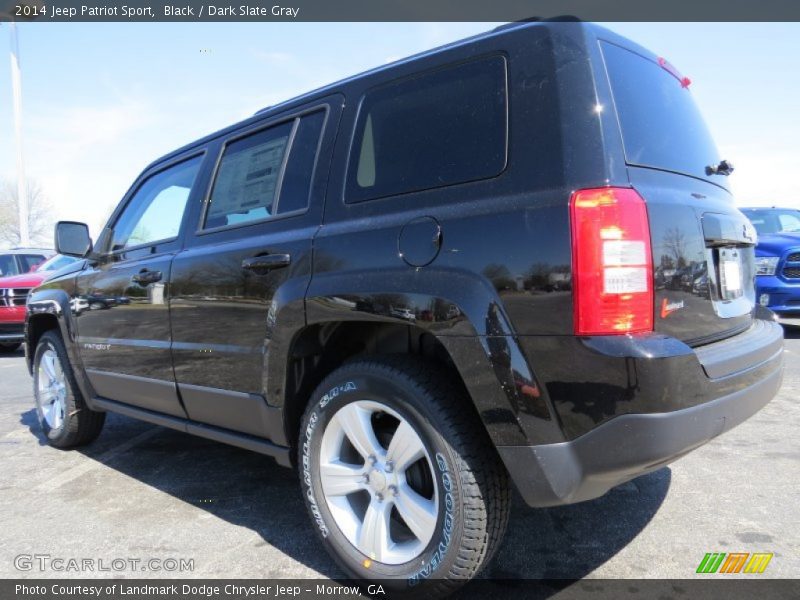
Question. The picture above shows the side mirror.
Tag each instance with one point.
(73, 239)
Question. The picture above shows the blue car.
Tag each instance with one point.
(777, 259)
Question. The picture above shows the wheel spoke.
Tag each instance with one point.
(357, 426)
(58, 372)
(57, 409)
(405, 448)
(373, 535)
(46, 396)
(340, 479)
(48, 412)
(418, 513)
(48, 361)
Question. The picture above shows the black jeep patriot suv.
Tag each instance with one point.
(511, 258)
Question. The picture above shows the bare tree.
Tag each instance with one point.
(675, 244)
(40, 215)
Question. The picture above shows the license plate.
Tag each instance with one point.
(730, 271)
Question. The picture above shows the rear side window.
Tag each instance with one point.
(661, 125)
(265, 174)
(436, 129)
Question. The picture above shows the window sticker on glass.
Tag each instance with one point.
(248, 179)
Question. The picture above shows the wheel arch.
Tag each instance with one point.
(491, 369)
(48, 309)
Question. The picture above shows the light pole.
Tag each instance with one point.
(16, 90)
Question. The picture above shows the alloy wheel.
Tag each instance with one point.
(378, 481)
(51, 389)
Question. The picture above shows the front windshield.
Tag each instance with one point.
(772, 220)
(54, 263)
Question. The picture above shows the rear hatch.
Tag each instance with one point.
(703, 245)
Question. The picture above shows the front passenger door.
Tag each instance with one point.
(122, 302)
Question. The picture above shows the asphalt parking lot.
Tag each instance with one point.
(141, 491)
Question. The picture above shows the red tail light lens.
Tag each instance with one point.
(612, 262)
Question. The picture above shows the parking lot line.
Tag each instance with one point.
(56, 482)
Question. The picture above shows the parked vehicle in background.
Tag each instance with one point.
(422, 281)
(14, 292)
(17, 261)
(778, 259)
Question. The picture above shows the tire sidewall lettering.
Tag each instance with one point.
(306, 464)
(308, 436)
(335, 391)
(448, 522)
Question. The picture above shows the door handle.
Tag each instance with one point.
(145, 277)
(266, 262)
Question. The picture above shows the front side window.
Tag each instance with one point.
(436, 129)
(8, 266)
(155, 212)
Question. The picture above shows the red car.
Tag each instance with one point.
(13, 294)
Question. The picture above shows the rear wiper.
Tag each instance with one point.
(722, 168)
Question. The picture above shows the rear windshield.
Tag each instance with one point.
(661, 125)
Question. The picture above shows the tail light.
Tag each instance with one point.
(612, 262)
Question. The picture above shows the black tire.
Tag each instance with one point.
(80, 425)
(9, 348)
(475, 499)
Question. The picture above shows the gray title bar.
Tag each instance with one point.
(147, 11)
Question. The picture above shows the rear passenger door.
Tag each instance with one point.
(248, 264)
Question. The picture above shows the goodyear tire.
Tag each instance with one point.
(399, 476)
(62, 412)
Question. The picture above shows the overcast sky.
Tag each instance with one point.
(103, 100)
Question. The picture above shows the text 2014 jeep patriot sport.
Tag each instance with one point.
(513, 257)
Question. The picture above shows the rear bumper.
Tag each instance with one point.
(631, 445)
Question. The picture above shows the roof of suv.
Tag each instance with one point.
(334, 86)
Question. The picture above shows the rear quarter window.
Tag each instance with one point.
(431, 130)
(661, 125)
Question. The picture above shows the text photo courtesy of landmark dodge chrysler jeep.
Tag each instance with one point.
(424, 284)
